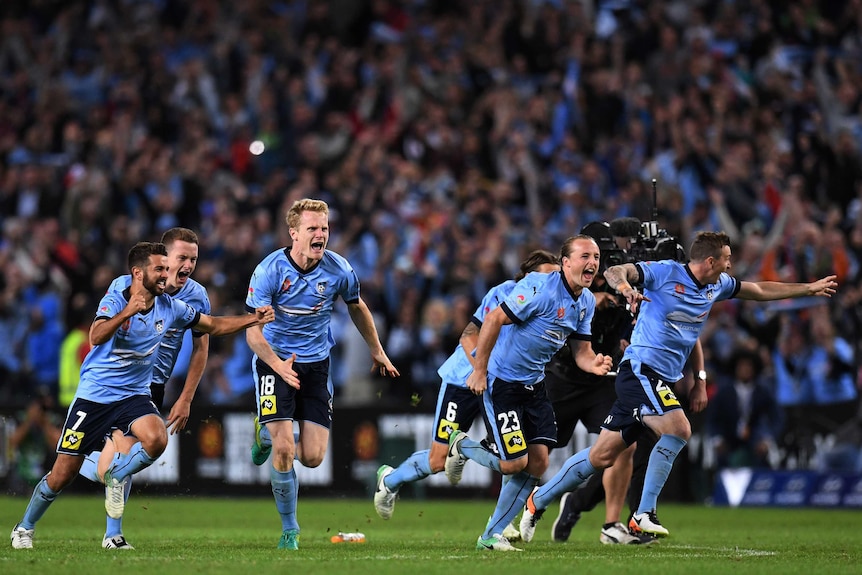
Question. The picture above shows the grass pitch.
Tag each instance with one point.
(190, 535)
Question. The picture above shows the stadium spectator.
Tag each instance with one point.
(31, 444)
(439, 106)
(743, 419)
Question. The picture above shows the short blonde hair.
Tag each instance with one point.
(304, 205)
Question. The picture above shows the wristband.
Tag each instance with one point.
(701, 375)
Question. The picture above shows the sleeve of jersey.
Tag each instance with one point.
(260, 290)
(489, 302)
(522, 301)
(646, 273)
(728, 287)
(111, 304)
(350, 293)
(205, 308)
(186, 315)
(585, 331)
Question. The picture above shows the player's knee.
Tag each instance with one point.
(311, 461)
(155, 443)
(602, 458)
(514, 466)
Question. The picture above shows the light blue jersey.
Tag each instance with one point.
(303, 302)
(457, 368)
(544, 312)
(193, 294)
(669, 324)
(123, 366)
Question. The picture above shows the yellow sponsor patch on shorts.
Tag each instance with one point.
(445, 429)
(514, 442)
(267, 404)
(668, 399)
(72, 439)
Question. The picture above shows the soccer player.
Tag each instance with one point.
(677, 300)
(291, 355)
(115, 380)
(580, 396)
(457, 406)
(182, 247)
(543, 310)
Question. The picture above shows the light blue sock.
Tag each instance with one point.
(414, 468)
(284, 489)
(660, 463)
(89, 467)
(512, 498)
(43, 496)
(128, 464)
(574, 471)
(474, 451)
(115, 526)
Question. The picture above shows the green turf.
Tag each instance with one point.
(189, 535)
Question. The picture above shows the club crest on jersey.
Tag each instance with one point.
(126, 325)
(72, 439)
(679, 288)
(321, 288)
(160, 325)
(285, 285)
(561, 312)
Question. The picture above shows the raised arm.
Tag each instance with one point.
(768, 291)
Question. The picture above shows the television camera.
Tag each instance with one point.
(628, 240)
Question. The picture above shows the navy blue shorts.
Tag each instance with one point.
(572, 401)
(640, 391)
(457, 408)
(517, 415)
(88, 423)
(277, 401)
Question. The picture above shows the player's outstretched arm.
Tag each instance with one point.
(228, 324)
(768, 291)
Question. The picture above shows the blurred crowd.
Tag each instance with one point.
(450, 138)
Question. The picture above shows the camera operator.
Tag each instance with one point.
(579, 396)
